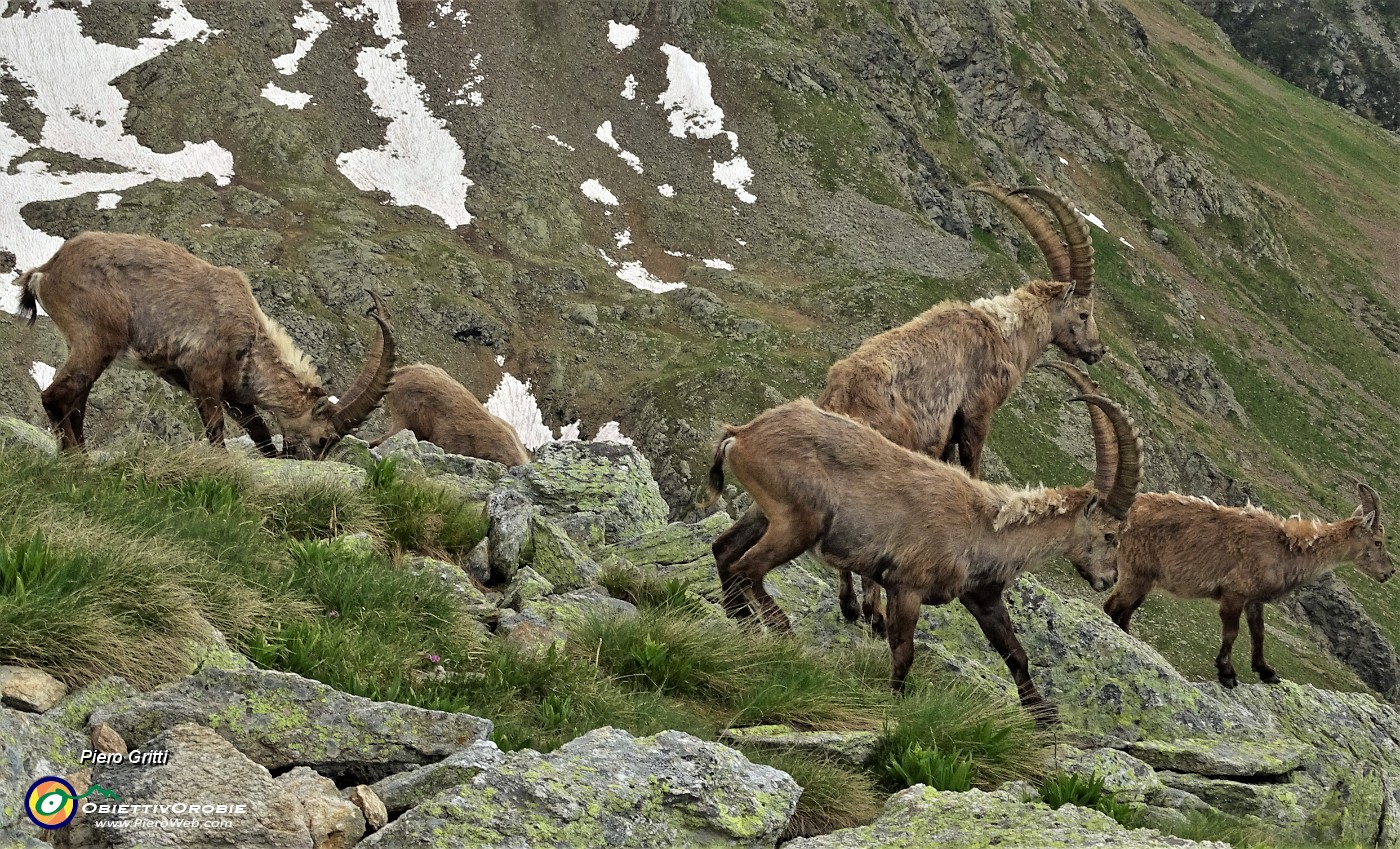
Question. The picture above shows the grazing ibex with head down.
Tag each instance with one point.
(426, 400)
(926, 531)
(931, 385)
(1242, 556)
(137, 301)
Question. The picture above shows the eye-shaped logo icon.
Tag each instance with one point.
(50, 802)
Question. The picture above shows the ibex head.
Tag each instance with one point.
(1374, 560)
(1093, 547)
(1071, 262)
(311, 434)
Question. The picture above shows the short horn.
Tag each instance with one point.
(1105, 438)
(1052, 247)
(1129, 475)
(1077, 238)
(378, 372)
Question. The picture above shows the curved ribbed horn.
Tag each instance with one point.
(1129, 475)
(1047, 238)
(1370, 501)
(369, 388)
(1077, 239)
(1105, 437)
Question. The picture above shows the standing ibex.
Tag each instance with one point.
(932, 385)
(1242, 556)
(426, 400)
(926, 531)
(137, 301)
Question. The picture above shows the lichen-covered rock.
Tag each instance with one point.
(677, 544)
(474, 469)
(569, 610)
(31, 746)
(30, 689)
(924, 818)
(73, 712)
(1223, 757)
(352, 451)
(281, 720)
(850, 747)
(16, 433)
(558, 558)
(403, 790)
(606, 478)
(333, 822)
(608, 788)
(204, 772)
(209, 649)
(526, 586)
(1129, 779)
(307, 472)
(511, 513)
(466, 596)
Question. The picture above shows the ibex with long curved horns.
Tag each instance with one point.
(931, 385)
(925, 530)
(138, 301)
(1242, 556)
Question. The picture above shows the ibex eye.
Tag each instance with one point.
(1084, 316)
(1109, 537)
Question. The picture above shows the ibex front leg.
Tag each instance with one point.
(988, 608)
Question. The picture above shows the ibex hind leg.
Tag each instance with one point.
(728, 548)
(1229, 629)
(785, 539)
(65, 399)
(872, 606)
(1254, 615)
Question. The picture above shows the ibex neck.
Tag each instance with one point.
(1021, 529)
(1024, 321)
(1319, 547)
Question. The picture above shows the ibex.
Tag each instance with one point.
(1242, 556)
(137, 301)
(926, 531)
(932, 385)
(426, 400)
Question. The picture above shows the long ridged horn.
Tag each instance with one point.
(378, 372)
(1370, 501)
(1105, 436)
(1047, 238)
(1125, 483)
(1077, 238)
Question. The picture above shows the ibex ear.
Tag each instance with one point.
(320, 406)
(1093, 505)
(1368, 521)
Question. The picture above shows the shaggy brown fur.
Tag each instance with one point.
(140, 302)
(931, 385)
(426, 400)
(1243, 556)
(926, 531)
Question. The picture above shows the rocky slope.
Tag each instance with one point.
(1343, 52)
(321, 768)
(1248, 276)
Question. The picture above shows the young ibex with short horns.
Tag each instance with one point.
(137, 301)
(932, 385)
(926, 531)
(426, 400)
(1242, 556)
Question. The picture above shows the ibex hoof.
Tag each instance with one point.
(1229, 681)
(1268, 676)
(1045, 715)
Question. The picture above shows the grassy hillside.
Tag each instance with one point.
(1274, 272)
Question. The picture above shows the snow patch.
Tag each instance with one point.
(1092, 219)
(1063, 161)
(108, 200)
(629, 88)
(720, 264)
(559, 142)
(666, 190)
(516, 404)
(623, 239)
(469, 94)
(735, 174)
(612, 432)
(311, 22)
(605, 135)
(633, 272)
(622, 36)
(500, 360)
(69, 76)
(693, 108)
(612, 263)
(282, 97)
(1126, 242)
(42, 373)
(420, 163)
(594, 190)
